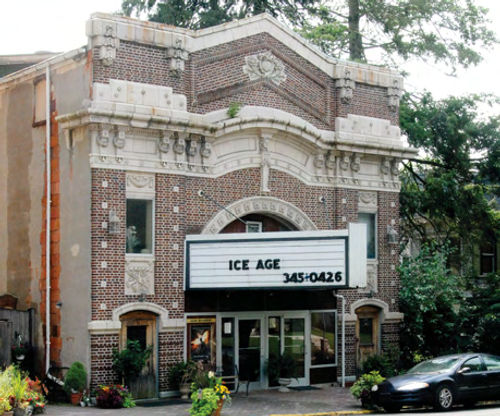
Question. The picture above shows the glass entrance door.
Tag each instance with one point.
(250, 350)
(294, 338)
(286, 335)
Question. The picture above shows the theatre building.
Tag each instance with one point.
(212, 193)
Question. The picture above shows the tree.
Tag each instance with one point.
(198, 14)
(452, 32)
(430, 297)
(449, 31)
(449, 193)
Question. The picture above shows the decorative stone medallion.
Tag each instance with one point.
(264, 66)
(139, 276)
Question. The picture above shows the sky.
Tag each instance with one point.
(59, 25)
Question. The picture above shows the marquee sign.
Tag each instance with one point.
(277, 260)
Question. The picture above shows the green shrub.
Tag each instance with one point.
(204, 402)
(234, 109)
(381, 363)
(182, 372)
(280, 366)
(76, 378)
(362, 389)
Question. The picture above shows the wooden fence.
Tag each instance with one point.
(15, 324)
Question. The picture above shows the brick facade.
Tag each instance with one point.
(314, 134)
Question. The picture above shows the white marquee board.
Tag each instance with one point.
(278, 260)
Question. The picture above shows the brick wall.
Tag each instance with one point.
(179, 210)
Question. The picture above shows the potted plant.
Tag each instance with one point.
(75, 382)
(208, 394)
(129, 362)
(281, 368)
(19, 350)
(180, 377)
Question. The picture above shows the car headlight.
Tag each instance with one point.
(416, 385)
(375, 387)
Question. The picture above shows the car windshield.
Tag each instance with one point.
(435, 365)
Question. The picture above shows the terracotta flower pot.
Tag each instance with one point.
(76, 398)
(220, 404)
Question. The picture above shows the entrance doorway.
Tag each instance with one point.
(141, 326)
(246, 341)
(367, 332)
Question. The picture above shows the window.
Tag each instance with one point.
(39, 105)
(323, 338)
(492, 363)
(488, 257)
(474, 364)
(369, 220)
(365, 331)
(139, 226)
(253, 227)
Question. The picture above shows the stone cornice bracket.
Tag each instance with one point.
(345, 85)
(120, 137)
(355, 162)
(205, 148)
(102, 34)
(179, 144)
(103, 135)
(265, 66)
(394, 95)
(177, 56)
(164, 143)
(395, 167)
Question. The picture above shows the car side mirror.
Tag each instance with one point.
(463, 370)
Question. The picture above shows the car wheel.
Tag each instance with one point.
(445, 397)
(392, 408)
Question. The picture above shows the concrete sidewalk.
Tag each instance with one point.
(325, 399)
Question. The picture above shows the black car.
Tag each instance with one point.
(442, 382)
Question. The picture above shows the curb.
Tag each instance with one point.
(338, 413)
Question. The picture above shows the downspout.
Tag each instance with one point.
(48, 202)
(343, 336)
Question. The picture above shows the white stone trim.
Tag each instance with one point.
(386, 316)
(260, 204)
(114, 325)
(139, 274)
(192, 41)
(140, 185)
(104, 327)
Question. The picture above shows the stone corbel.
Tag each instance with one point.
(395, 167)
(103, 136)
(179, 145)
(106, 42)
(164, 143)
(355, 162)
(394, 95)
(319, 161)
(330, 161)
(205, 148)
(119, 138)
(191, 147)
(346, 87)
(385, 166)
(177, 55)
(344, 161)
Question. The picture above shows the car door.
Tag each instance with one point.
(472, 380)
(492, 364)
